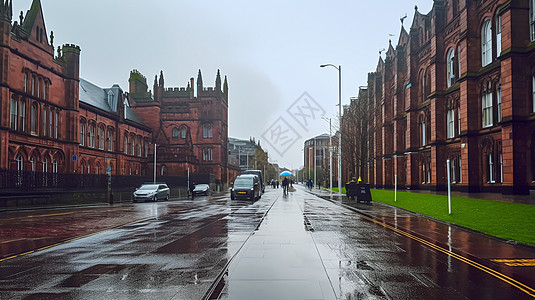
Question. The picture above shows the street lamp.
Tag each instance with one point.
(330, 158)
(339, 68)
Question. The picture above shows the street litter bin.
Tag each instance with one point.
(358, 191)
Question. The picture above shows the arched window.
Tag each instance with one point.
(175, 133)
(110, 140)
(45, 165)
(33, 119)
(450, 60)
(207, 131)
(20, 163)
(486, 43)
(32, 163)
(101, 138)
(82, 134)
(133, 145)
(423, 88)
(125, 146)
(183, 132)
(138, 146)
(91, 136)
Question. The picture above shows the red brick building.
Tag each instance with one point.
(52, 121)
(459, 85)
(190, 126)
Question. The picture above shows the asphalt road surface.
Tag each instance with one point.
(280, 247)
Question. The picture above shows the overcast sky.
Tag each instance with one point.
(270, 50)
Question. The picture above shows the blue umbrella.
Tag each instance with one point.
(285, 173)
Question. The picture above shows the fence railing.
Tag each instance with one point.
(24, 181)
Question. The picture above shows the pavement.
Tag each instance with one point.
(296, 266)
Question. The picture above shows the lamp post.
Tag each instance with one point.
(330, 158)
(155, 162)
(339, 68)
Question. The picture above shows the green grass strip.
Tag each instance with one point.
(510, 221)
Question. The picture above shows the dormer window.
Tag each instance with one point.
(111, 99)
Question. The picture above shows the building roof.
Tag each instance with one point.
(97, 97)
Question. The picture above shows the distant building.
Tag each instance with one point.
(459, 86)
(242, 153)
(317, 149)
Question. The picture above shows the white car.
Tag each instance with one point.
(152, 192)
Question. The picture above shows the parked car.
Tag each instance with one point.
(258, 173)
(202, 189)
(152, 192)
(246, 187)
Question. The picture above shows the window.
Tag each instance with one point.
(14, 114)
(490, 169)
(486, 43)
(32, 163)
(138, 146)
(498, 35)
(423, 132)
(207, 131)
(175, 133)
(91, 143)
(532, 19)
(500, 157)
(487, 109)
(499, 102)
(50, 124)
(45, 91)
(101, 138)
(33, 85)
(110, 140)
(44, 121)
(459, 120)
(459, 62)
(452, 171)
(20, 167)
(125, 145)
(423, 87)
(133, 150)
(450, 60)
(451, 123)
(56, 124)
(146, 148)
(533, 90)
(38, 88)
(22, 114)
(207, 154)
(25, 82)
(33, 119)
(183, 132)
(82, 134)
(45, 165)
(460, 171)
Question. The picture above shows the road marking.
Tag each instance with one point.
(39, 216)
(74, 239)
(526, 262)
(5, 242)
(519, 285)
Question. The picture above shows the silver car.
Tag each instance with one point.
(152, 192)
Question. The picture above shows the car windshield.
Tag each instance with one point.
(150, 187)
(243, 182)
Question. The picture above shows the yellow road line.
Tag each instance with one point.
(524, 262)
(524, 288)
(74, 239)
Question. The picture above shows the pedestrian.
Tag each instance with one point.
(191, 188)
(277, 184)
(285, 186)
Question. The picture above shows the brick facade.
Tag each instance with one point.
(457, 86)
(52, 121)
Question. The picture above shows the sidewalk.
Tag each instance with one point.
(280, 261)
(508, 257)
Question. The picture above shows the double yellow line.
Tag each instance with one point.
(519, 285)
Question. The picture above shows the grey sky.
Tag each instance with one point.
(270, 50)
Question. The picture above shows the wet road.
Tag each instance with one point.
(294, 247)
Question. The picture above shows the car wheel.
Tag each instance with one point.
(167, 197)
(155, 198)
